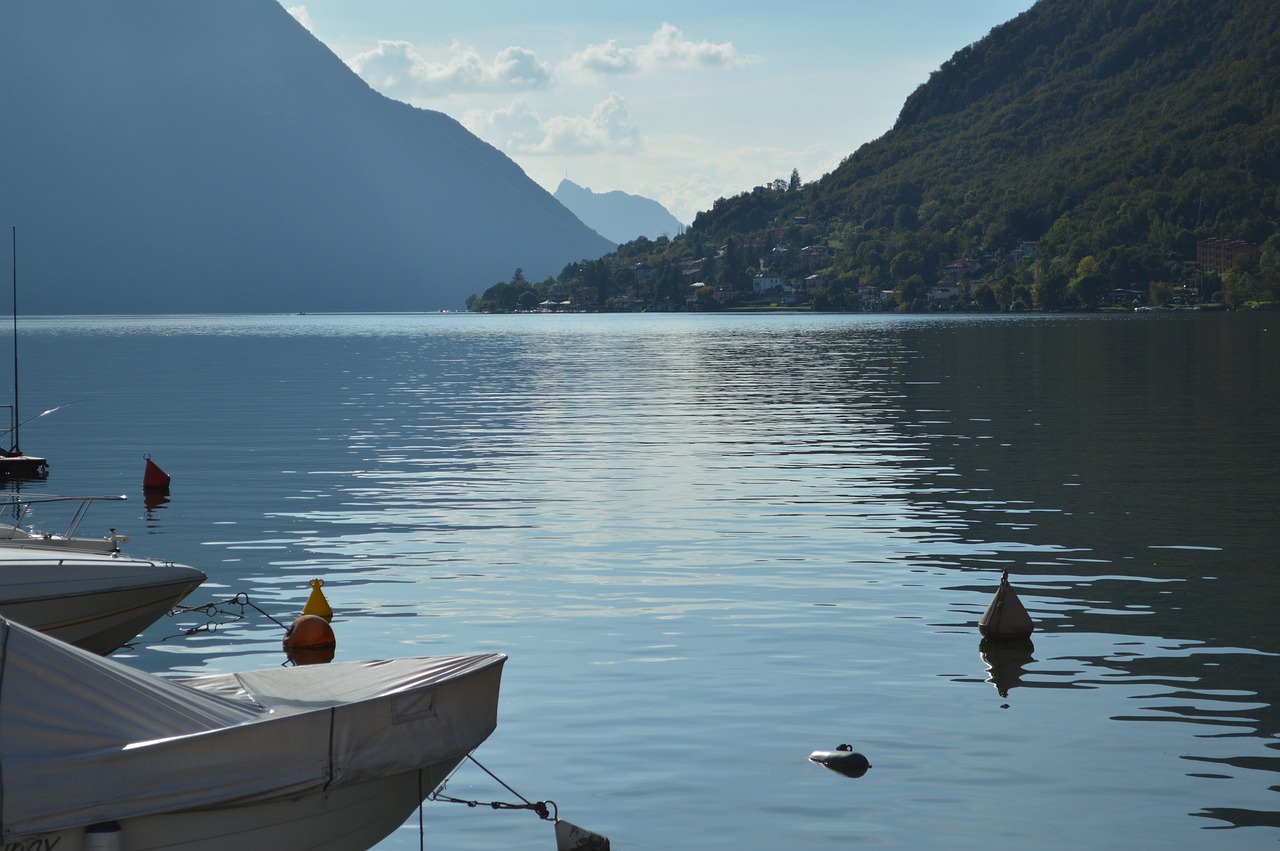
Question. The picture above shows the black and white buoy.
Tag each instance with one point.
(844, 760)
(570, 837)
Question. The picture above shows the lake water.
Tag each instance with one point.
(712, 544)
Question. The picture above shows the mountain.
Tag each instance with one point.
(617, 215)
(212, 156)
(1113, 134)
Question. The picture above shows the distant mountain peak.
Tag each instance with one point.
(213, 156)
(617, 215)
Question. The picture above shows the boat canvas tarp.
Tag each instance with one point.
(85, 739)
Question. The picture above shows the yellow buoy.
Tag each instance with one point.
(316, 603)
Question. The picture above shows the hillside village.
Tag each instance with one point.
(1225, 273)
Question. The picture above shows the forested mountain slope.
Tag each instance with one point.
(1114, 133)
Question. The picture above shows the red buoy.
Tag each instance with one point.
(153, 478)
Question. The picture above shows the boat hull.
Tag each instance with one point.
(326, 757)
(347, 818)
(23, 467)
(98, 603)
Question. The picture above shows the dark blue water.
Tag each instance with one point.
(713, 544)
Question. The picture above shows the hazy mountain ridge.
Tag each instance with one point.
(214, 156)
(617, 215)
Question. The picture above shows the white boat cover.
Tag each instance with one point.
(85, 739)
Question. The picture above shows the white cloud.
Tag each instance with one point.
(518, 129)
(395, 68)
(511, 128)
(300, 14)
(666, 48)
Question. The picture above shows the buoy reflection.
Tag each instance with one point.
(1006, 662)
(310, 655)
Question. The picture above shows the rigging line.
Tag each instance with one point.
(210, 609)
(14, 428)
(495, 777)
(544, 809)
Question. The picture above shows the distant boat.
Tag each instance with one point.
(97, 601)
(335, 757)
(13, 461)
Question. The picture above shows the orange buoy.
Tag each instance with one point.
(309, 632)
(1005, 618)
(153, 478)
(316, 603)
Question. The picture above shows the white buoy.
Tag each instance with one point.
(570, 837)
(1005, 618)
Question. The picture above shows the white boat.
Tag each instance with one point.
(323, 757)
(97, 601)
(17, 507)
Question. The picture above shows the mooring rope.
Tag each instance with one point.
(240, 601)
(546, 810)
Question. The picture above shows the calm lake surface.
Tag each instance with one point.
(713, 544)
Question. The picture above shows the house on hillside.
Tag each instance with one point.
(962, 269)
(812, 256)
(1025, 251)
(873, 298)
(764, 283)
(691, 293)
(691, 270)
(1219, 255)
(943, 292)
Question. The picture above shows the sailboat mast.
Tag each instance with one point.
(16, 420)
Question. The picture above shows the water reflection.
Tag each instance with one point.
(1007, 662)
(1090, 458)
(154, 501)
(1121, 444)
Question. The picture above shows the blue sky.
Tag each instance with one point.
(680, 102)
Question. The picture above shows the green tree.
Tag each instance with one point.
(985, 297)
(1160, 293)
(1049, 290)
(1089, 284)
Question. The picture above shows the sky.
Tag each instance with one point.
(680, 102)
